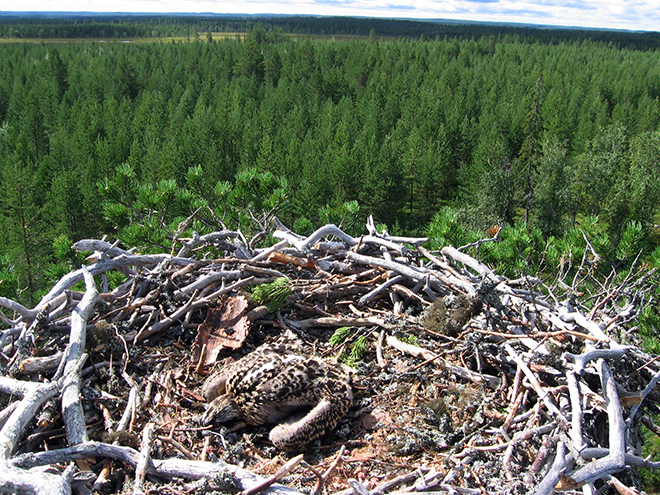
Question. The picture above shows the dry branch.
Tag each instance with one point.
(71, 386)
(615, 460)
(490, 381)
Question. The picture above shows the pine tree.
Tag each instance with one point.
(531, 147)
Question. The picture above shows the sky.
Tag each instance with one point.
(617, 14)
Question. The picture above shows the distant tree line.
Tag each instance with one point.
(98, 26)
(445, 136)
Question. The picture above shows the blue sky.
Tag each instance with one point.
(619, 14)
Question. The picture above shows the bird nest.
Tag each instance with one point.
(463, 381)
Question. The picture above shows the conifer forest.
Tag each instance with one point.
(554, 136)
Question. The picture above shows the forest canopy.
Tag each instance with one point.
(63, 25)
(447, 135)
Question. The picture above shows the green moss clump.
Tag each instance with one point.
(449, 317)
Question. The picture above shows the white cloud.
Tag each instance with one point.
(618, 14)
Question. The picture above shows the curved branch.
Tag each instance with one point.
(304, 243)
(169, 468)
(22, 415)
(14, 480)
(17, 308)
(122, 261)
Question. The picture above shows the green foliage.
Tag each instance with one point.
(551, 205)
(530, 149)
(25, 233)
(339, 336)
(154, 215)
(104, 26)
(255, 198)
(649, 330)
(631, 243)
(643, 178)
(408, 339)
(147, 215)
(356, 353)
(654, 258)
(273, 294)
(346, 216)
(650, 480)
(64, 260)
(303, 226)
(519, 251)
(497, 199)
(601, 175)
(447, 137)
(8, 279)
(359, 348)
(446, 229)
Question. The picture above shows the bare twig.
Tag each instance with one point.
(144, 458)
(284, 470)
(547, 485)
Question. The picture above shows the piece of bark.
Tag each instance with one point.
(467, 260)
(41, 364)
(576, 410)
(17, 307)
(12, 386)
(205, 280)
(290, 465)
(19, 481)
(340, 321)
(119, 262)
(587, 324)
(305, 243)
(621, 488)
(7, 412)
(104, 248)
(17, 422)
(631, 460)
(538, 388)
(225, 327)
(198, 240)
(380, 289)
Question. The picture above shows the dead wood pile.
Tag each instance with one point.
(465, 381)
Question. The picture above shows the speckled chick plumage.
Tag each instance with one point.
(274, 384)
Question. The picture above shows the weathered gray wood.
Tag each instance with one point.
(72, 409)
(616, 459)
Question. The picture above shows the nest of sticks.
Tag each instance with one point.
(464, 381)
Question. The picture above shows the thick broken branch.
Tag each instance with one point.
(72, 409)
(615, 460)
